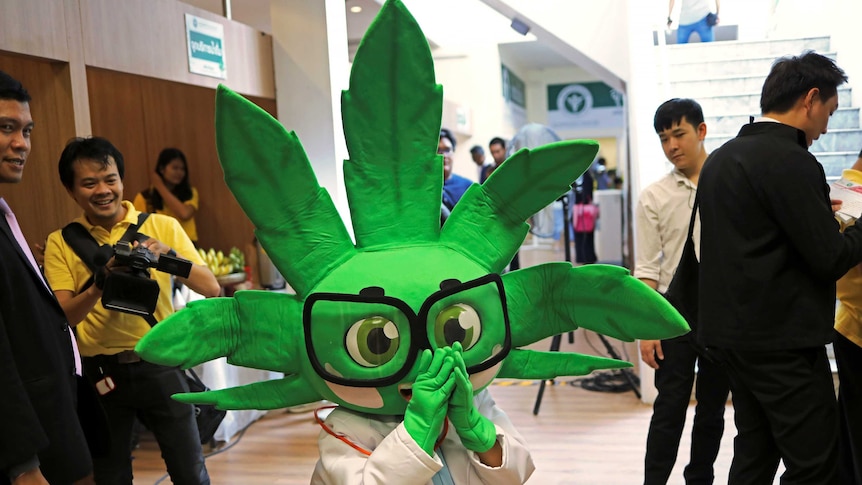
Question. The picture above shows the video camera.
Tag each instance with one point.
(132, 290)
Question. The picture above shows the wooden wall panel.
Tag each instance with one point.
(40, 201)
(148, 38)
(266, 104)
(117, 113)
(144, 115)
(183, 116)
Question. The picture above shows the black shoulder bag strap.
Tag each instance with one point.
(683, 291)
(92, 254)
(690, 238)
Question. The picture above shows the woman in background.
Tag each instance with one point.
(171, 193)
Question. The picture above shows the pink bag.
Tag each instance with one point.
(584, 217)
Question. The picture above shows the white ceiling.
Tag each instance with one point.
(464, 25)
(256, 13)
(357, 23)
(533, 55)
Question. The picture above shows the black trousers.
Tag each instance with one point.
(144, 390)
(848, 355)
(68, 458)
(785, 408)
(515, 264)
(674, 380)
(585, 247)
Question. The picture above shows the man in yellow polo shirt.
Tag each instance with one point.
(92, 171)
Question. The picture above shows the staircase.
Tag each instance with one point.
(726, 79)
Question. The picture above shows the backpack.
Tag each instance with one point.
(584, 217)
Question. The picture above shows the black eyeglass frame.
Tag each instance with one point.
(418, 329)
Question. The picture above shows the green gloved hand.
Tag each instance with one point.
(477, 432)
(426, 410)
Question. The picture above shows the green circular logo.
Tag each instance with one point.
(575, 99)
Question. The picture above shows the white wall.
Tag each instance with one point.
(845, 40)
(311, 70)
(514, 116)
(471, 78)
(594, 28)
(647, 160)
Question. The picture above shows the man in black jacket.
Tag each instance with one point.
(771, 252)
(41, 440)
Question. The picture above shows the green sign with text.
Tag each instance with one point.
(514, 89)
(585, 105)
(205, 41)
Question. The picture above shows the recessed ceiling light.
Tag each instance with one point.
(356, 9)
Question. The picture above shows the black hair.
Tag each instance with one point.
(445, 133)
(11, 88)
(792, 77)
(182, 191)
(497, 141)
(93, 148)
(672, 112)
(477, 149)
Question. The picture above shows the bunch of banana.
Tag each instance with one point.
(216, 262)
(237, 259)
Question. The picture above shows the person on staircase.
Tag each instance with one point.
(694, 16)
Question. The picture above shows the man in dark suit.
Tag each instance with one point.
(41, 440)
(770, 254)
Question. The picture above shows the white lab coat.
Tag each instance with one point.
(397, 458)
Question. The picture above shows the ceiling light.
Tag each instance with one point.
(356, 9)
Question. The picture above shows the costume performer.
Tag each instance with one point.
(405, 328)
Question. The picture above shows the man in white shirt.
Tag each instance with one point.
(662, 219)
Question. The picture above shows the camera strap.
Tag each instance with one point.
(90, 251)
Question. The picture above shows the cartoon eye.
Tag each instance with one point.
(372, 341)
(457, 323)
